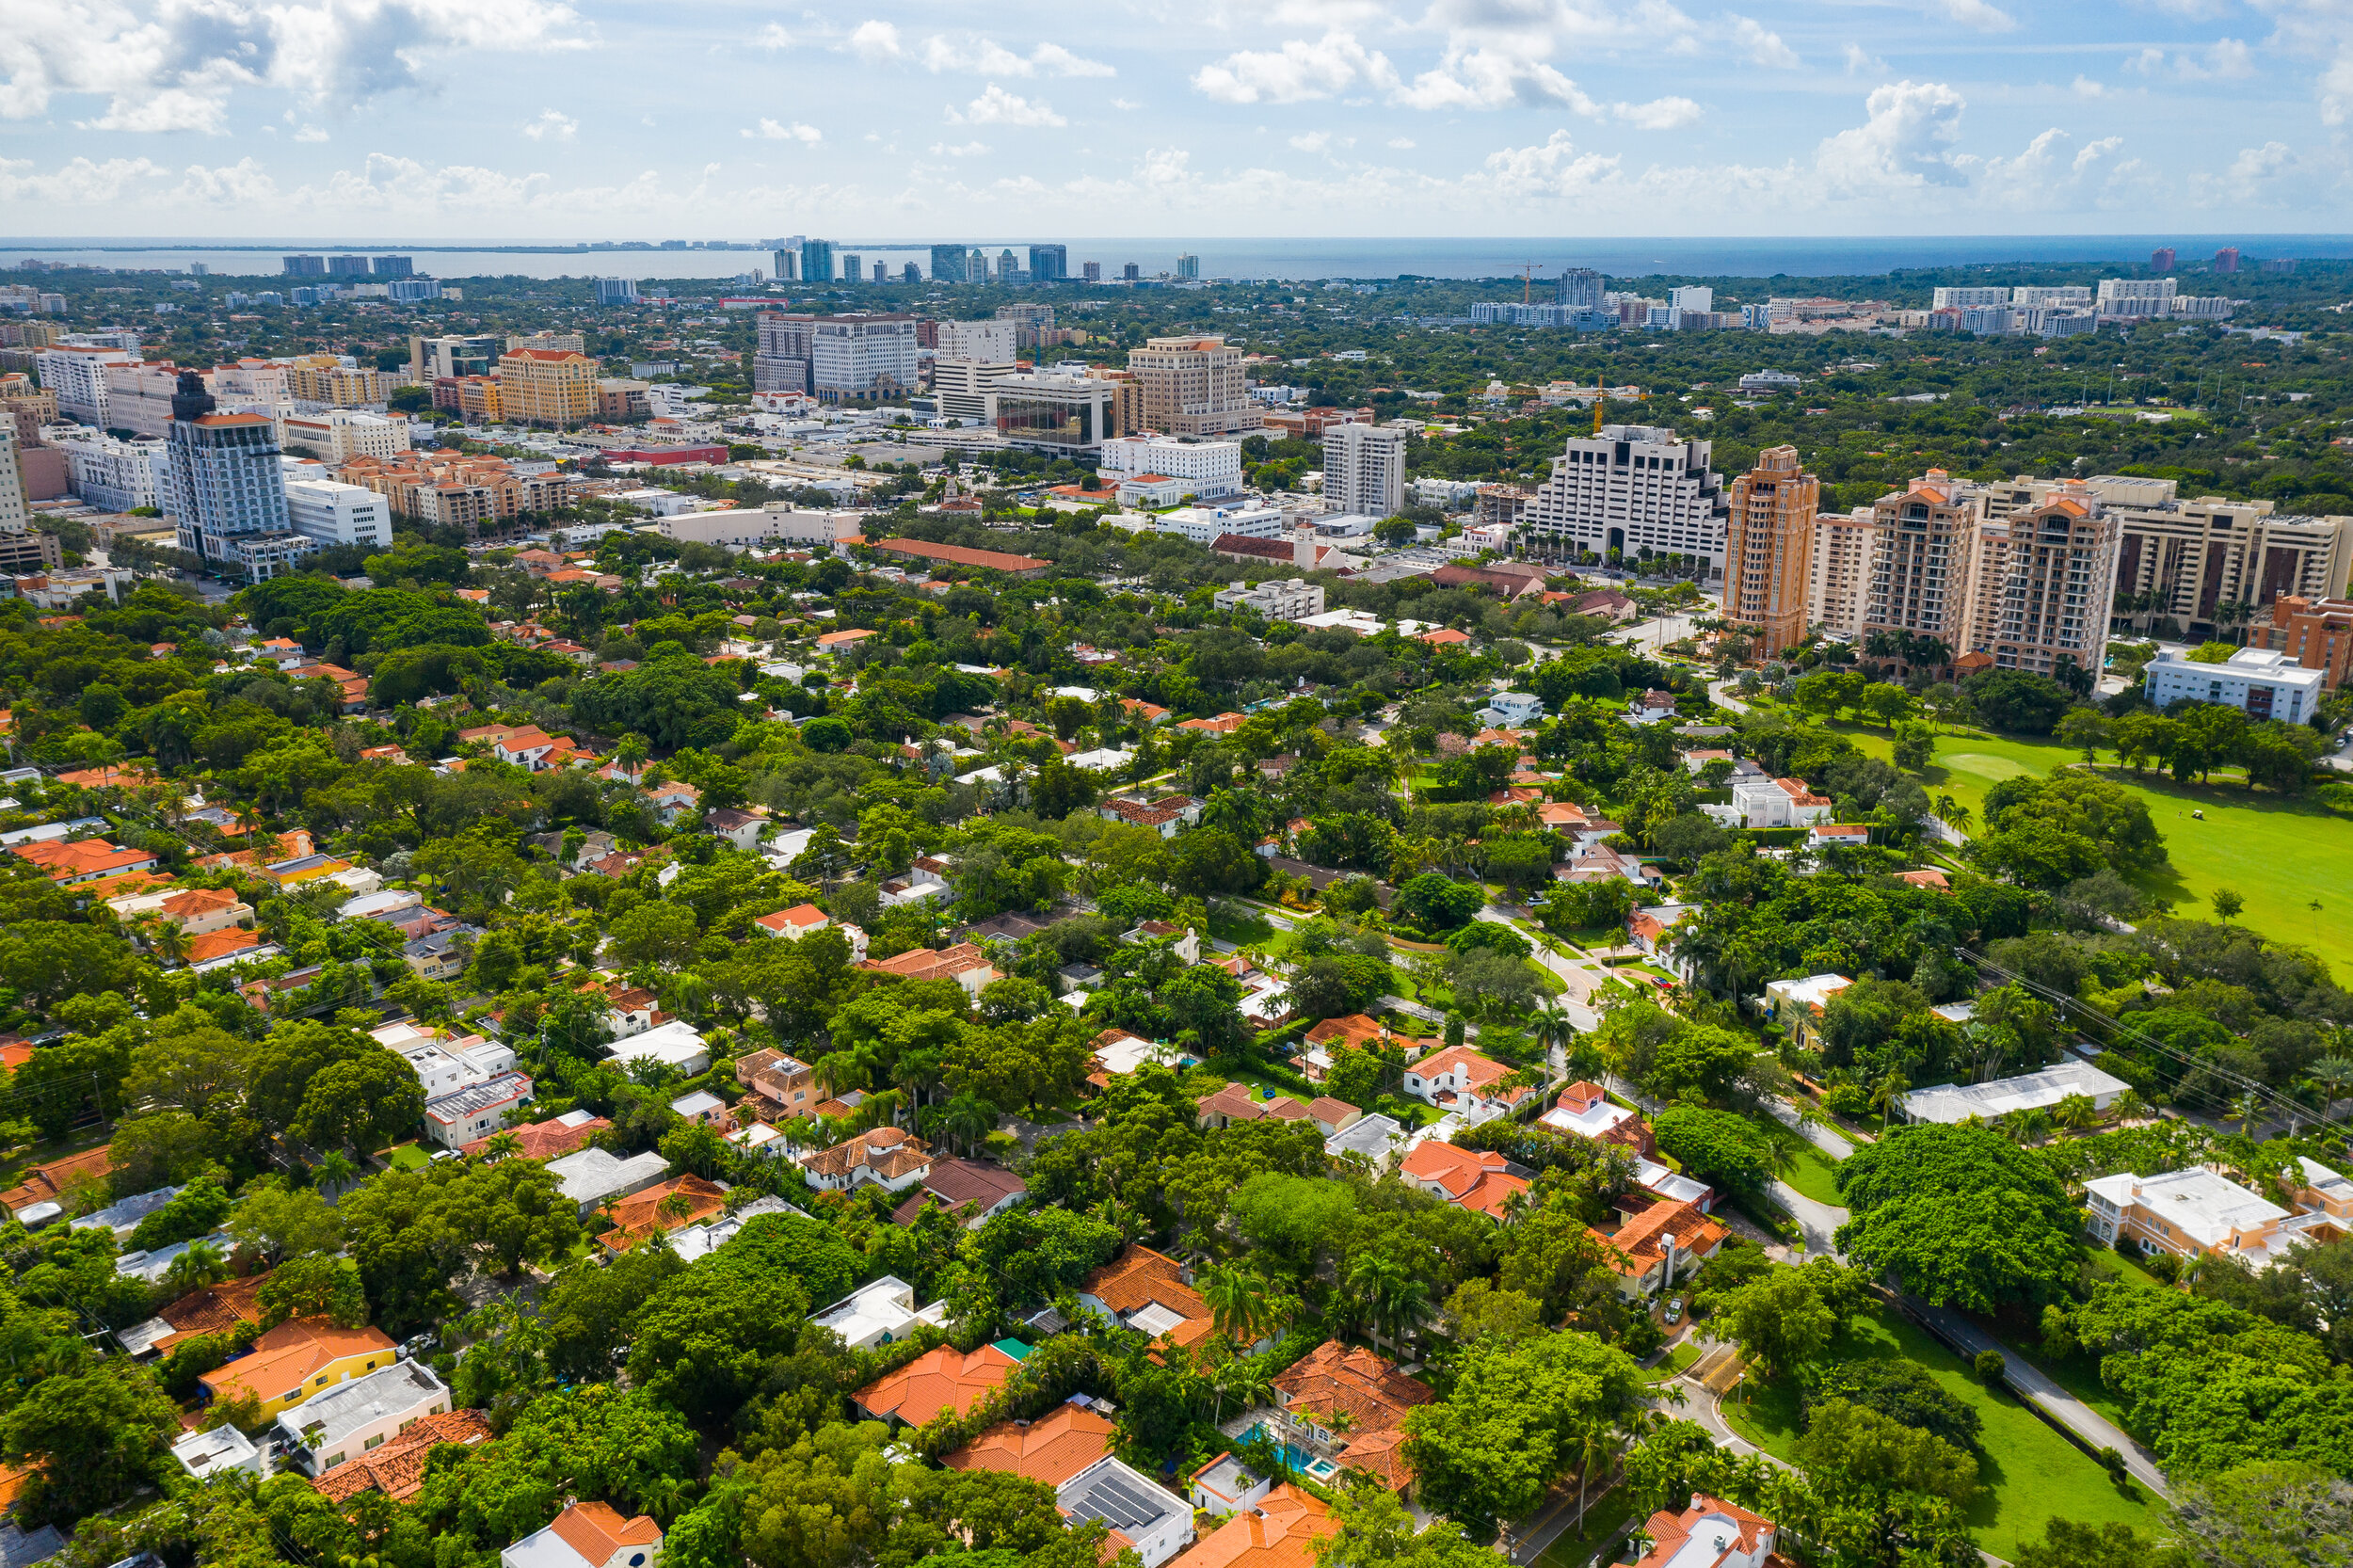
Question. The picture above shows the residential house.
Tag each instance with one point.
(661, 1208)
(296, 1360)
(779, 1087)
(740, 828)
(476, 1111)
(1476, 1179)
(1773, 803)
(2037, 1091)
(71, 864)
(675, 1043)
(964, 963)
(972, 1189)
(891, 1158)
(1351, 1405)
(396, 1466)
(1711, 1533)
(548, 1140)
(674, 802)
(197, 911)
(332, 1428)
(1226, 1486)
(1148, 1518)
(1843, 835)
(918, 884)
(1585, 1109)
(2201, 1213)
(1797, 1005)
(1142, 1290)
(1280, 1530)
(1182, 940)
(1049, 1450)
(1236, 1102)
(592, 1174)
(213, 1309)
(1460, 1080)
(588, 1535)
(1376, 1138)
(218, 1452)
(633, 1011)
(880, 1313)
(1658, 1243)
(941, 1380)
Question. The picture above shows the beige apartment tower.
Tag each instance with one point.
(1194, 386)
(552, 387)
(1920, 563)
(2040, 586)
(1768, 549)
(1837, 588)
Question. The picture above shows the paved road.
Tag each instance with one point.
(1720, 693)
(2028, 1382)
(1822, 1138)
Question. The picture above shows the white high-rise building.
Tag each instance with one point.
(1637, 492)
(2051, 295)
(77, 374)
(1214, 467)
(991, 342)
(862, 359)
(1839, 579)
(228, 488)
(962, 385)
(110, 473)
(1961, 299)
(1364, 468)
(2136, 297)
(335, 513)
(1692, 297)
(15, 514)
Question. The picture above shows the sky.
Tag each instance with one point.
(517, 119)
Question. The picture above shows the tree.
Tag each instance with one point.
(699, 1341)
(91, 1436)
(1716, 1146)
(1961, 1215)
(2087, 729)
(2226, 903)
(1779, 1319)
(1512, 1423)
(2267, 1511)
(2018, 701)
(1434, 903)
(658, 932)
(363, 1102)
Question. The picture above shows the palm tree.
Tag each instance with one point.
(2248, 1109)
(2329, 1075)
(1236, 1298)
(1243, 1378)
(201, 1264)
(502, 1144)
(335, 1171)
(1888, 1091)
(967, 1119)
(2129, 1106)
(675, 1207)
(2076, 1111)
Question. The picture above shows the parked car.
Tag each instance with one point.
(1675, 1310)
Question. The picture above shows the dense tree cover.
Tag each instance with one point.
(1961, 1216)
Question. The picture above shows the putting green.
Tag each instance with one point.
(1984, 764)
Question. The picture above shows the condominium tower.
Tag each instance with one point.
(1768, 549)
(1364, 468)
(1636, 492)
(1194, 386)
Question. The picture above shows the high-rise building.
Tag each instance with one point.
(346, 266)
(549, 386)
(882, 272)
(396, 266)
(1838, 582)
(1692, 297)
(1633, 493)
(1212, 469)
(2317, 633)
(617, 291)
(910, 273)
(2225, 259)
(15, 514)
(1071, 415)
(228, 488)
(2161, 259)
(862, 357)
(1188, 267)
(430, 359)
(2051, 295)
(1921, 564)
(1961, 299)
(410, 290)
(786, 263)
(2040, 586)
(1049, 263)
(949, 265)
(2136, 297)
(962, 385)
(1364, 468)
(1131, 273)
(1194, 386)
(112, 474)
(988, 340)
(77, 374)
(1768, 549)
(1008, 266)
(1092, 271)
(780, 353)
(305, 266)
(976, 265)
(1580, 288)
(817, 260)
(852, 268)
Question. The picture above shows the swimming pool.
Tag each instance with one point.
(1296, 1457)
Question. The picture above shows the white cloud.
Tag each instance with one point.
(2225, 59)
(772, 37)
(1492, 79)
(1981, 14)
(241, 184)
(770, 129)
(1661, 114)
(1903, 145)
(78, 182)
(2087, 87)
(1126, 103)
(2267, 162)
(995, 106)
(981, 56)
(968, 150)
(308, 133)
(1297, 72)
(875, 42)
(1542, 29)
(1052, 59)
(1554, 169)
(1860, 61)
(174, 65)
(552, 126)
(1312, 141)
(1402, 144)
(1761, 46)
(2093, 151)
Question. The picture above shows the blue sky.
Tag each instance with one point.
(564, 119)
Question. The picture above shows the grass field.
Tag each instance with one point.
(1812, 1174)
(1578, 1548)
(2280, 854)
(1677, 1359)
(2030, 1474)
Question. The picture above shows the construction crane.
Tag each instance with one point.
(1527, 276)
(1601, 401)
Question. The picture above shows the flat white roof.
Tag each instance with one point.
(1954, 1102)
(2197, 1202)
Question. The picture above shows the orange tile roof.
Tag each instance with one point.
(942, 1379)
(1280, 1533)
(1353, 1029)
(1050, 1449)
(1140, 1277)
(1638, 1245)
(213, 1309)
(888, 1151)
(959, 556)
(598, 1532)
(290, 1355)
(548, 1140)
(640, 1215)
(1337, 1379)
(397, 1467)
(58, 1178)
(925, 964)
(1470, 1179)
(221, 943)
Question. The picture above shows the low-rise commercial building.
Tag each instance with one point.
(2262, 682)
(1275, 599)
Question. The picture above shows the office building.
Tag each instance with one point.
(111, 473)
(1210, 468)
(331, 385)
(1091, 272)
(1961, 299)
(339, 434)
(2317, 633)
(15, 514)
(2136, 297)
(1838, 577)
(2225, 259)
(1920, 565)
(1073, 415)
(77, 373)
(1049, 263)
(1690, 298)
(1188, 267)
(1275, 598)
(396, 266)
(1580, 288)
(861, 358)
(1769, 550)
(617, 291)
(1194, 386)
(430, 359)
(306, 267)
(228, 488)
(780, 353)
(817, 262)
(1634, 493)
(138, 397)
(948, 264)
(2264, 683)
(551, 387)
(991, 341)
(2040, 586)
(2185, 559)
(963, 386)
(2161, 259)
(334, 513)
(1363, 470)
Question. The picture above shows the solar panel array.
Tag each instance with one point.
(1120, 1501)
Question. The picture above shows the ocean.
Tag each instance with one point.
(1247, 257)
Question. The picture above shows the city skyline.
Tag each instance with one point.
(1315, 116)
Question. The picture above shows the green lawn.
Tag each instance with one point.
(2030, 1473)
(408, 1157)
(1677, 1359)
(2280, 854)
(1578, 1548)
(1813, 1173)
